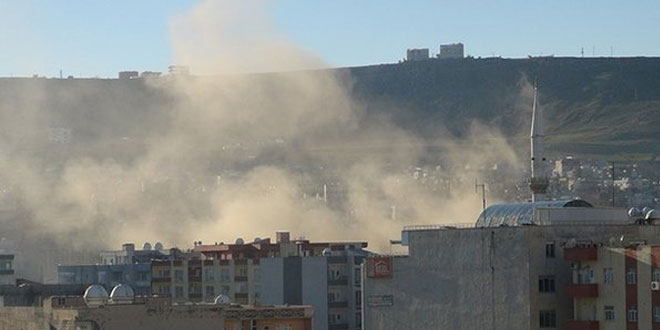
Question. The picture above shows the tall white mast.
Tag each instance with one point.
(539, 181)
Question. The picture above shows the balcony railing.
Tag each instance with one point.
(581, 254)
(161, 279)
(582, 290)
(341, 280)
(338, 304)
(581, 325)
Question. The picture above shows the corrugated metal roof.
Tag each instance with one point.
(520, 213)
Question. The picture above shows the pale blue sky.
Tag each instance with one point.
(99, 38)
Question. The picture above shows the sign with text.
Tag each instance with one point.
(380, 301)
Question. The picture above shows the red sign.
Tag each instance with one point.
(379, 267)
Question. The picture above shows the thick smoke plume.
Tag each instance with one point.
(226, 153)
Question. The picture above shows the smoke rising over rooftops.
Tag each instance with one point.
(225, 154)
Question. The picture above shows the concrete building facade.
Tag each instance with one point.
(451, 51)
(506, 277)
(331, 283)
(71, 313)
(417, 54)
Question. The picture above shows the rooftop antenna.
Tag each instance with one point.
(483, 192)
(582, 52)
(539, 180)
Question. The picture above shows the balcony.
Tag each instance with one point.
(337, 259)
(341, 280)
(338, 304)
(581, 325)
(161, 279)
(582, 290)
(195, 296)
(581, 254)
(6, 271)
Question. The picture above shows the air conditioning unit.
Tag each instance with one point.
(655, 286)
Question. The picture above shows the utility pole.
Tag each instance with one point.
(477, 185)
(612, 174)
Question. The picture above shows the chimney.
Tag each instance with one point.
(282, 237)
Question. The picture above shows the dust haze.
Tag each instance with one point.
(257, 140)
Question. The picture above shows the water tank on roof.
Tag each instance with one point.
(146, 246)
(122, 294)
(95, 295)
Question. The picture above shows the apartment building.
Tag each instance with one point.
(330, 282)
(614, 285)
(512, 269)
(287, 271)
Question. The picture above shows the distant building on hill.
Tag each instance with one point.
(417, 54)
(451, 51)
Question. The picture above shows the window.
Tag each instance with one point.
(631, 276)
(225, 275)
(253, 325)
(656, 314)
(609, 313)
(358, 298)
(656, 274)
(178, 292)
(586, 276)
(210, 291)
(632, 314)
(358, 320)
(358, 277)
(608, 275)
(178, 275)
(548, 319)
(546, 284)
(224, 289)
(256, 274)
(550, 250)
(209, 274)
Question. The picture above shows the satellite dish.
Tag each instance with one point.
(326, 252)
(122, 294)
(634, 213)
(571, 243)
(257, 239)
(622, 238)
(612, 241)
(146, 246)
(222, 300)
(239, 241)
(158, 246)
(645, 210)
(652, 215)
(95, 295)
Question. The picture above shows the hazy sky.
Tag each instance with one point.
(99, 38)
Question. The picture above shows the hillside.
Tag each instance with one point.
(599, 107)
